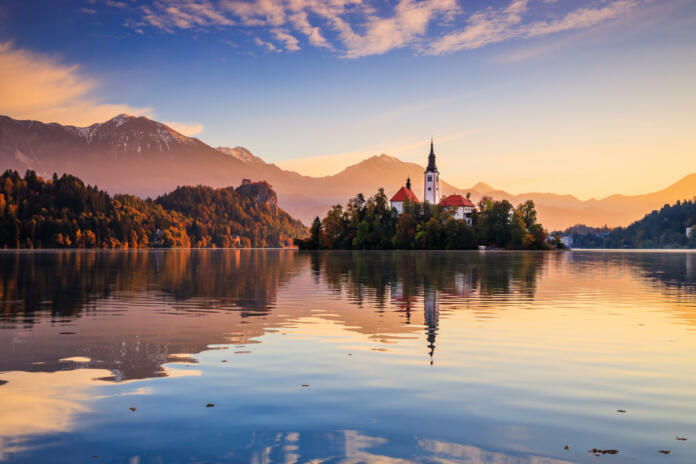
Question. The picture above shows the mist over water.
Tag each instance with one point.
(503, 357)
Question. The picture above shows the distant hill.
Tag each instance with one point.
(665, 228)
(63, 212)
(143, 157)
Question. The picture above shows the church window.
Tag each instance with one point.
(430, 178)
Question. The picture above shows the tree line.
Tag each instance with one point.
(371, 224)
(663, 228)
(63, 212)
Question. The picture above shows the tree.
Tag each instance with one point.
(360, 241)
(371, 224)
(315, 233)
(334, 224)
(527, 213)
(67, 213)
(405, 232)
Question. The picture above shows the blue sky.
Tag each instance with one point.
(585, 97)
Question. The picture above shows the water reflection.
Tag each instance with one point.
(407, 356)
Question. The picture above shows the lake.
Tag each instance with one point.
(260, 356)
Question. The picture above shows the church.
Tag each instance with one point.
(461, 207)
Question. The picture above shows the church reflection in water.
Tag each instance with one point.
(85, 334)
(231, 296)
(431, 312)
(432, 316)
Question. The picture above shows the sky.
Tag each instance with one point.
(585, 97)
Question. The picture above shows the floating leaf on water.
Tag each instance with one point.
(566, 447)
(305, 385)
(224, 360)
(210, 405)
(132, 408)
(665, 451)
(678, 438)
(597, 451)
(620, 410)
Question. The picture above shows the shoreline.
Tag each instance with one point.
(497, 250)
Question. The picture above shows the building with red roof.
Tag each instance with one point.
(462, 207)
(404, 194)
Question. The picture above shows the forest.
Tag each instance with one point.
(63, 212)
(371, 224)
(664, 228)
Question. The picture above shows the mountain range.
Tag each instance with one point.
(140, 156)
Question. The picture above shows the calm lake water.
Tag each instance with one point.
(347, 357)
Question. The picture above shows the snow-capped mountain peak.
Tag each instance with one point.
(242, 154)
(133, 133)
(121, 119)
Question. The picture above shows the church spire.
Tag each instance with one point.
(431, 158)
(408, 183)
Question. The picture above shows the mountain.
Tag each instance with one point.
(242, 154)
(125, 154)
(144, 157)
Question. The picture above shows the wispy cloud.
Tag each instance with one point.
(407, 25)
(581, 18)
(483, 28)
(186, 128)
(39, 87)
(412, 149)
(492, 26)
(291, 43)
(110, 3)
(184, 14)
(300, 21)
(268, 45)
(357, 28)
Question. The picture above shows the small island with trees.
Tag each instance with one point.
(437, 223)
(372, 224)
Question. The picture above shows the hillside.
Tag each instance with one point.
(64, 212)
(146, 158)
(665, 228)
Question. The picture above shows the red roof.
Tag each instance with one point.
(403, 194)
(455, 200)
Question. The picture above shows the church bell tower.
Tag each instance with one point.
(431, 189)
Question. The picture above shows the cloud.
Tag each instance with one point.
(263, 43)
(115, 4)
(184, 14)
(291, 43)
(187, 128)
(581, 18)
(258, 12)
(483, 27)
(38, 87)
(410, 148)
(492, 26)
(301, 23)
(408, 24)
(357, 28)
